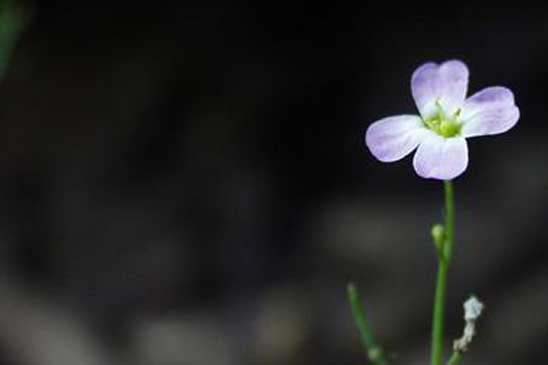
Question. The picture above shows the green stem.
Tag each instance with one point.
(449, 220)
(13, 18)
(374, 351)
(445, 253)
(455, 358)
(439, 314)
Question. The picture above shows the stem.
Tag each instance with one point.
(445, 253)
(374, 351)
(449, 220)
(455, 358)
(439, 314)
(13, 18)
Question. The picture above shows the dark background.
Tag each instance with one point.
(189, 185)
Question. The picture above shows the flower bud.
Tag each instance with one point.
(438, 235)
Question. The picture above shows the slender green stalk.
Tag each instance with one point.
(439, 314)
(445, 253)
(13, 18)
(449, 220)
(374, 351)
(455, 359)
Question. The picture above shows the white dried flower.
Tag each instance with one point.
(472, 310)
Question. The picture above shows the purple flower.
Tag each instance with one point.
(446, 119)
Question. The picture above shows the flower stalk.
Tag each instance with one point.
(455, 359)
(445, 253)
(13, 18)
(373, 350)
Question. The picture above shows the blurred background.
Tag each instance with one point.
(189, 185)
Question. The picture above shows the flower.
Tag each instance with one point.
(446, 119)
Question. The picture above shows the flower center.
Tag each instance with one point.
(443, 125)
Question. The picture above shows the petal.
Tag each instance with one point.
(391, 139)
(441, 158)
(446, 84)
(489, 111)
